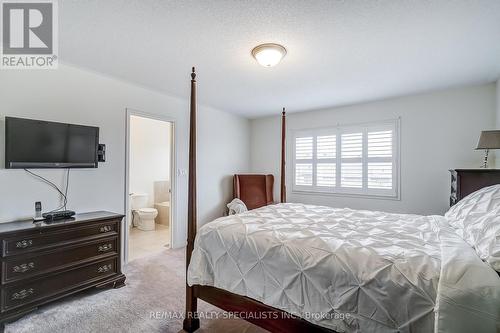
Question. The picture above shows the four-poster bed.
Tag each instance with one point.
(383, 269)
(225, 300)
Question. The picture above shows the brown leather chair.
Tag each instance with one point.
(254, 190)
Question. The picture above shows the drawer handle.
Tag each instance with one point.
(22, 294)
(104, 268)
(105, 247)
(24, 243)
(23, 268)
(106, 228)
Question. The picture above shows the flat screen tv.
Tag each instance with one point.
(37, 144)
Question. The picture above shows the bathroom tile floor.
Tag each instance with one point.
(143, 243)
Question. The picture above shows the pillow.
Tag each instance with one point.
(473, 206)
(236, 207)
(477, 219)
(484, 236)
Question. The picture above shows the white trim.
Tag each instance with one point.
(347, 195)
(173, 178)
(338, 130)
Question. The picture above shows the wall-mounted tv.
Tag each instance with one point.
(37, 144)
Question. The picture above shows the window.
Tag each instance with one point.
(358, 160)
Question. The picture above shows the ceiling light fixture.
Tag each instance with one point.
(268, 55)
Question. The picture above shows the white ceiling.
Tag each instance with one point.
(339, 52)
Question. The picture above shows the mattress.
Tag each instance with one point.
(350, 270)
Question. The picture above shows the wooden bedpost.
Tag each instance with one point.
(283, 149)
(191, 322)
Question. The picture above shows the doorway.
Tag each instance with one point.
(149, 185)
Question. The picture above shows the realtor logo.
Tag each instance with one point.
(29, 34)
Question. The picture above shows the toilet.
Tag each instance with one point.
(143, 216)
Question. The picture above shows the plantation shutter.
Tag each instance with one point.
(380, 159)
(352, 153)
(326, 155)
(359, 160)
(304, 161)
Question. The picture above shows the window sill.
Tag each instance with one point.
(348, 195)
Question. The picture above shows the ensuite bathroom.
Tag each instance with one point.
(149, 179)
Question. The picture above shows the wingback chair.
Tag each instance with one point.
(254, 190)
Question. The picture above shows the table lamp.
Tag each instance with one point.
(488, 140)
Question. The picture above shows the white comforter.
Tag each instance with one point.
(351, 271)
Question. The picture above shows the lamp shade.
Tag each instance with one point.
(489, 140)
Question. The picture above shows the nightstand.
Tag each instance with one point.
(466, 181)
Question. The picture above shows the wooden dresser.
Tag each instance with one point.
(42, 262)
(466, 181)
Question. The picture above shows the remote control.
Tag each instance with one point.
(62, 214)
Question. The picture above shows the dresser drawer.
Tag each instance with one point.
(60, 258)
(51, 238)
(51, 286)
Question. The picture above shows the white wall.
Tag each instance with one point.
(223, 150)
(497, 152)
(150, 141)
(439, 131)
(78, 96)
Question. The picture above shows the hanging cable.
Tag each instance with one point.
(54, 186)
(66, 191)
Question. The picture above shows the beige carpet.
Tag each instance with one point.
(152, 301)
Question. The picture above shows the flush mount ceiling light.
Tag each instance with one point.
(268, 55)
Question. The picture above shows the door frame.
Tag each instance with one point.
(173, 176)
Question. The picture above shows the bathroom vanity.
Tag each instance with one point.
(45, 261)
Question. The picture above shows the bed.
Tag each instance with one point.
(294, 268)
